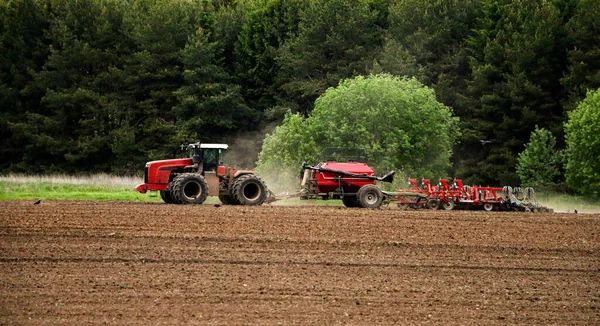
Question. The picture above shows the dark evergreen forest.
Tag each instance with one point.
(106, 85)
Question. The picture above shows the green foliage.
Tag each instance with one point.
(518, 60)
(583, 146)
(583, 55)
(268, 24)
(336, 39)
(398, 121)
(434, 34)
(539, 164)
(208, 102)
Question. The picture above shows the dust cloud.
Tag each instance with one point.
(243, 154)
(283, 181)
(243, 149)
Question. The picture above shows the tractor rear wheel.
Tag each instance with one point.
(249, 189)
(369, 196)
(189, 188)
(350, 201)
(167, 197)
(227, 200)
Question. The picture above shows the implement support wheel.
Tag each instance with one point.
(449, 206)
(488, 207)
(350, 201)
(369, 196)
(432, 203)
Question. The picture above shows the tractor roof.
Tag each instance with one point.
(221, 146)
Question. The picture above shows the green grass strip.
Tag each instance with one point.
(51, 191)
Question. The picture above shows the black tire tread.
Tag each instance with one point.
(350, 201)
(363, 191)
(227, 200)
(180, 181)
(167, 197)
(237, 191)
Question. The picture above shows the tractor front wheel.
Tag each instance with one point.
(249, 189)
(189, 188)
(167, 197)
(369, 196)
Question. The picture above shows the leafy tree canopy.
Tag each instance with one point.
(397, 120)
(583, 146)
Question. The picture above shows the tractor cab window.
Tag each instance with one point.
(220, 157)
(211, 159)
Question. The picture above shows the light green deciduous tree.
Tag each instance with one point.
(583, 146)
(397, 120)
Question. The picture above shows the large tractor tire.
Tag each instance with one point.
(249, 189)
(369, 196)
(350, 201)
(189, 188)
(167, 197)
(227, 200)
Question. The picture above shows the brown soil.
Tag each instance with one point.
(89, 262)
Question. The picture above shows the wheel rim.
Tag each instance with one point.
(431, 204)
(192, 190)
(488, 207)
(251, 191)
(371, 198)
(450, 205)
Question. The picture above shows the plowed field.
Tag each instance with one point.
(82, 262)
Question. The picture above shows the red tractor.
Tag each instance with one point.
(190, 180)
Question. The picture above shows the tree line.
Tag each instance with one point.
(106, 85)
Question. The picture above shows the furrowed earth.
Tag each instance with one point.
(93, 262)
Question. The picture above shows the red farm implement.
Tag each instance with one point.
(348, 178)
(459, 196)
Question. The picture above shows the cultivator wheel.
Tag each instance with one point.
(432, 203)
(449, 205)
(488, 207)
(369, 196)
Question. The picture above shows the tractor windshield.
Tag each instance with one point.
(212, 159)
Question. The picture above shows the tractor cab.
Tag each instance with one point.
(207, 156)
